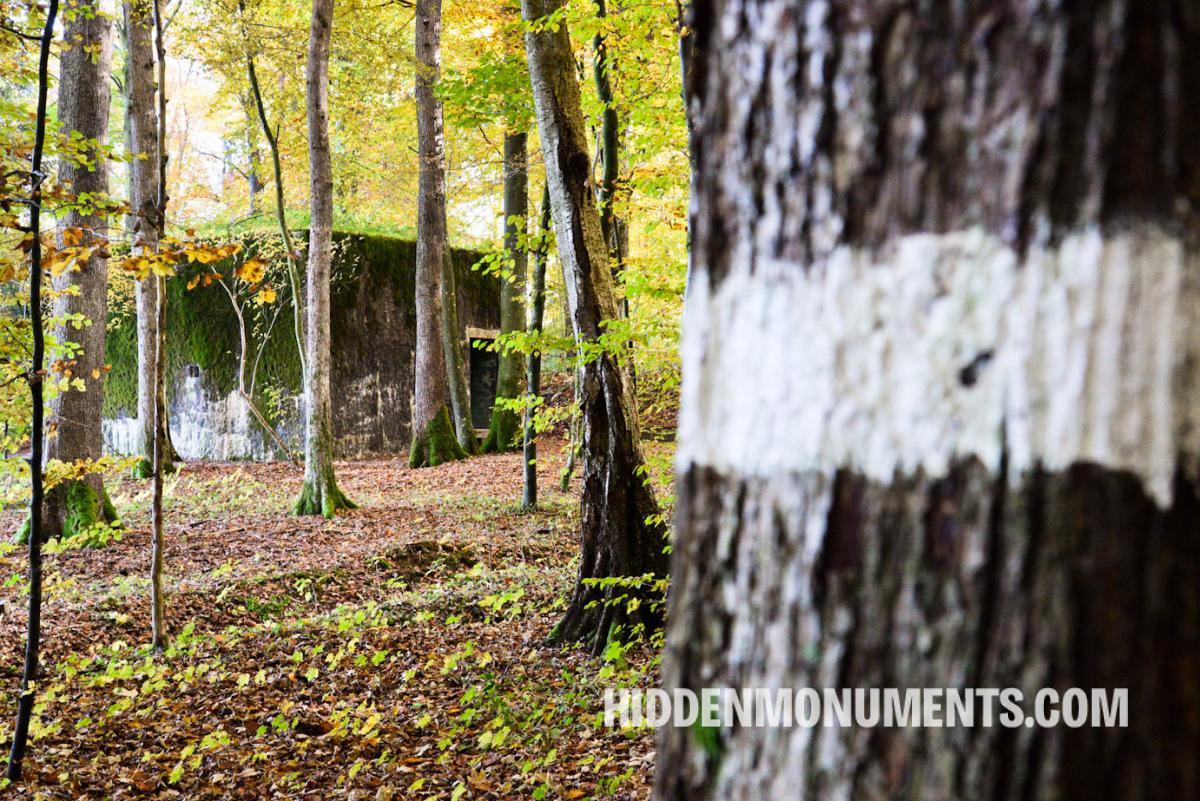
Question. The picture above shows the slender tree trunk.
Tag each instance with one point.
(320, 494)
(452, 333)
(33, 636)
(687, 56)
(533, 371)
(456, 369)
(940, 405)
(83, 101)
(610, 146)
(435, 436)
(143, 200)
(254, 183)
(505, 426)
(293, 255)
(620, 530)
(158, 616)
(246, 391)
(161, 453)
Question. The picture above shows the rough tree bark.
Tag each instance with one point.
(939, 415)
(143, 201)
(83, 101)
(37, 438)
(320, 493)
(436, 438)
(533, 370)
(619, 532)
(505, 427)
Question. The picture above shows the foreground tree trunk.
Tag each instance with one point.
(504, 430)
(37, 436)
(621, 533)
(939, 416)
(320, 493)
(145, 213)
(83, 101)
(436, 438)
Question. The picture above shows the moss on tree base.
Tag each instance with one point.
(82, 509)
(145, 468)
(436, 443)
(324, 501)
(504, 432)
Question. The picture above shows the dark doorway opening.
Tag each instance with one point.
(485, 365)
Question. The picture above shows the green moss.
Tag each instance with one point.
(21, 535)
(145, 469)
(84, 509)
(504, 431)
(331, 499)
(202, 327)
(436, 443)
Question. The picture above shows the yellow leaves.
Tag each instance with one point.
(264, 296)
(370, 723)
(251, 271)
(171, 251)
(58, 471)
(147, 263)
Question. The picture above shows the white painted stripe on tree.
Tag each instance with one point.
(858, 360)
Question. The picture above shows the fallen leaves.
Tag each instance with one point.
(393, 652)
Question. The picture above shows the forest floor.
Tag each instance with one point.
(396, 651)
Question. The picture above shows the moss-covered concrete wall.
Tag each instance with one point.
(373, 342)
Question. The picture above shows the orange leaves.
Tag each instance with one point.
(251, 271)
(206, 278)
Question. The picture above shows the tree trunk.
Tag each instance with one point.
(533, 374)
(143, 202)
(320, 493)
(620, 530)
(293, 255)
(456, 370)
(83, 102)
(503, 433)
(687, 55)
(27, 697)
(161, 455)
(939, 415)
(436, 438)
(610, 147)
